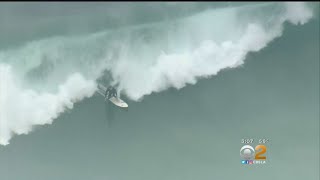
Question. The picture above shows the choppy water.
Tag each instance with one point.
(198, 78)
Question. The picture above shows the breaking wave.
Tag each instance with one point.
(41, 79)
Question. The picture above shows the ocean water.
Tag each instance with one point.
(198, 78)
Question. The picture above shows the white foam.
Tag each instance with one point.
(21, 109)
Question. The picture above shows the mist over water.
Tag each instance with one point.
(149, 51)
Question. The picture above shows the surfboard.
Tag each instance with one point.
(118, 102)
(115, 100)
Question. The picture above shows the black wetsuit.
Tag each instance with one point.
(111, 92)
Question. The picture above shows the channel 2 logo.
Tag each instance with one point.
(248, 154)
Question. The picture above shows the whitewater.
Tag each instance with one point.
(41, 79)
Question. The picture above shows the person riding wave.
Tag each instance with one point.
(111, 92)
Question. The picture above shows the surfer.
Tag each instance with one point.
(111, 92)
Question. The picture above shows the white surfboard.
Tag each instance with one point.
(118, 102)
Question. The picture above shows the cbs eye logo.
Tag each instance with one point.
(247, 152)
